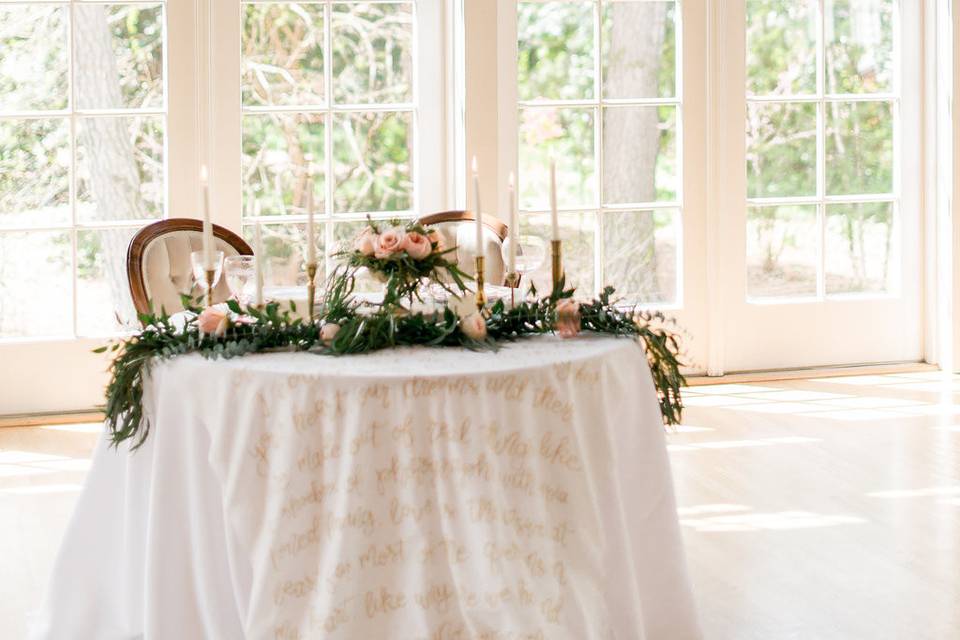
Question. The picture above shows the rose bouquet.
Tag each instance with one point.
(403, 255)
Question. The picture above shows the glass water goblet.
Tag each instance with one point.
(241, 274)
(531, 252)
(200, 271)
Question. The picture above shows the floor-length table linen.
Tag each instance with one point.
(421, 494)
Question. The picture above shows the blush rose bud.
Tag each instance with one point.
(568, 318)
(417, 246)
(474, 326)
(213, 321)
(328, 332)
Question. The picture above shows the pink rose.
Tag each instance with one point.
(389, 242)
(474, 326)
(417, 246)
(328, 332)
(568, 318)
(213, 321)
(367, 242)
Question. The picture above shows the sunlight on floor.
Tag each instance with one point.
(836, 499)
(772, 521)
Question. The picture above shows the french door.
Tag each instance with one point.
(751, 167)
(88, 130)
(821, 197)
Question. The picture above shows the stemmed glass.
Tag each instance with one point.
(531, 252)
(200, 269)
(241, 277)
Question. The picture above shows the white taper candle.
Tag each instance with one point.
(554, 216)
(260, 257)
(514, 229)
(207, 225)
(311, 232)
(478, 226)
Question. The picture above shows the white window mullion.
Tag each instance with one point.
(220, 45)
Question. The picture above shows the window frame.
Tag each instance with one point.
(223, 122)
(821, 98)
(510, 107)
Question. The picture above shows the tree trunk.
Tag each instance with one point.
(631, 139)
(113, 180)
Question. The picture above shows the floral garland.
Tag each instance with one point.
(347, 325)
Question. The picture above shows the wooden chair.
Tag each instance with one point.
(457, 229)
(158, 262)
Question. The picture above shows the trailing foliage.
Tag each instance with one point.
(347, 325)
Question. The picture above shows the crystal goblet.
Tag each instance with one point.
(531, 252)
(241, 274)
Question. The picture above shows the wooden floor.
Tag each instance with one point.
(823, 509)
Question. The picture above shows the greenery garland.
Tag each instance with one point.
(347, 325)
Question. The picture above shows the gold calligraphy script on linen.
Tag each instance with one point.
(426, 508)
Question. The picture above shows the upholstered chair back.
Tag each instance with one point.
(457, 229)
(159, 268)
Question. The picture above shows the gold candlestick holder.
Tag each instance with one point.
(481, 294)
(513, 280)
(311, 287)
(557, 262)
(211, 274)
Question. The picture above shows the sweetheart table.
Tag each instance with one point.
(410, 494)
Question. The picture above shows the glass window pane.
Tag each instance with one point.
(285, 250)
(119, 56)
(104, 305)
(781, 149)
(556, 50)
(120, 170)
(859, 245)
(275, 148)
(639, 50)
(565, 135)
(33, 57)
(640, 254)
(282, 54)
(859, 46)
(639, 154)
(782, 251)
(35, 274)
(372, 53)
(577, 230)
(34, 172)
(345, 233)
(859, 153)
(371, 162)
(781, 47)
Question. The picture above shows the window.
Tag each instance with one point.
(329, 106)
(599, 92)
(822, 115)
(82, 160)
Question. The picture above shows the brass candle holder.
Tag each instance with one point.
(557, 262)
(481, 294)
(211, 274)
(311, 287)
(513, 280)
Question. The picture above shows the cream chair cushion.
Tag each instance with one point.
(462, 234)
(167, 272)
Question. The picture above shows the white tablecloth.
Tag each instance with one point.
(412, 494)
